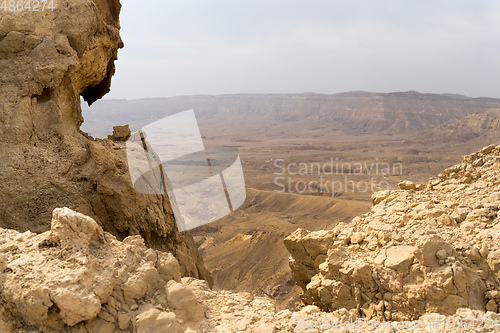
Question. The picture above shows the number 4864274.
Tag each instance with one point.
(27, 5)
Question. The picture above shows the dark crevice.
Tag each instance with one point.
(93, 93)
(73, 42)
(45, 96)
(49, 243)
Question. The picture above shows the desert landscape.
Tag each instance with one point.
(364, 211)
(414, 135)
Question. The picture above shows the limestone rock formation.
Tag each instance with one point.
(48, 59)
(78, 278)
(422, 249)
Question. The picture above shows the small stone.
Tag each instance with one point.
(491, 306)
(492, 294)
(120, 133)
(441, 254)
(106, 316)
(357, 237)
(473, 254)
(380, 196)
(494, 261)
(428, 246)
(99, 325)
(153, 320)
(310, 309)
(124, 320)
(406, 185)
(168, 266)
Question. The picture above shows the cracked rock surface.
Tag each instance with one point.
(48, 59)
(427, 253)
(422, 249)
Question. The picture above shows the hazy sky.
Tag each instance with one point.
(185, 47)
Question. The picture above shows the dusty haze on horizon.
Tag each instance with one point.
(294, 46)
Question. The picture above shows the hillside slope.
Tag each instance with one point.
(244, 251)
(477, 129)
(421, 249)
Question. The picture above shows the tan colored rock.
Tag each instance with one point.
(406, 185)
(99, 325)
(431, 250)
(74, 230)
(100, 284)
(84, 272)
(428, 246)
(120, 133)
(494, 261)
(144, 280)
(184, 302)
(153, 320)
(493, 294)
(75, 306)
(400, 258)
(168, 266)
(124, 320)
(46, 67)
(357, 237)
(380, 196)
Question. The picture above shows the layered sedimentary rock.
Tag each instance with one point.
(48, 59)
(421, 249)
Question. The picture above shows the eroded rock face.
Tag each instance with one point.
(78, 278)
(48, 59)
(421, 249)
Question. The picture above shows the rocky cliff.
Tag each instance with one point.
(421, 249)
(48, 59)
(478, 129)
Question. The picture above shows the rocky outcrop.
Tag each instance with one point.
(78, 278)
(421, 249)
(48, 59)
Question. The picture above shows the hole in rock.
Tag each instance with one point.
(44, 96)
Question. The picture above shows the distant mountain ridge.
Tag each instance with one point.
(355, 112)
(477, 129)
